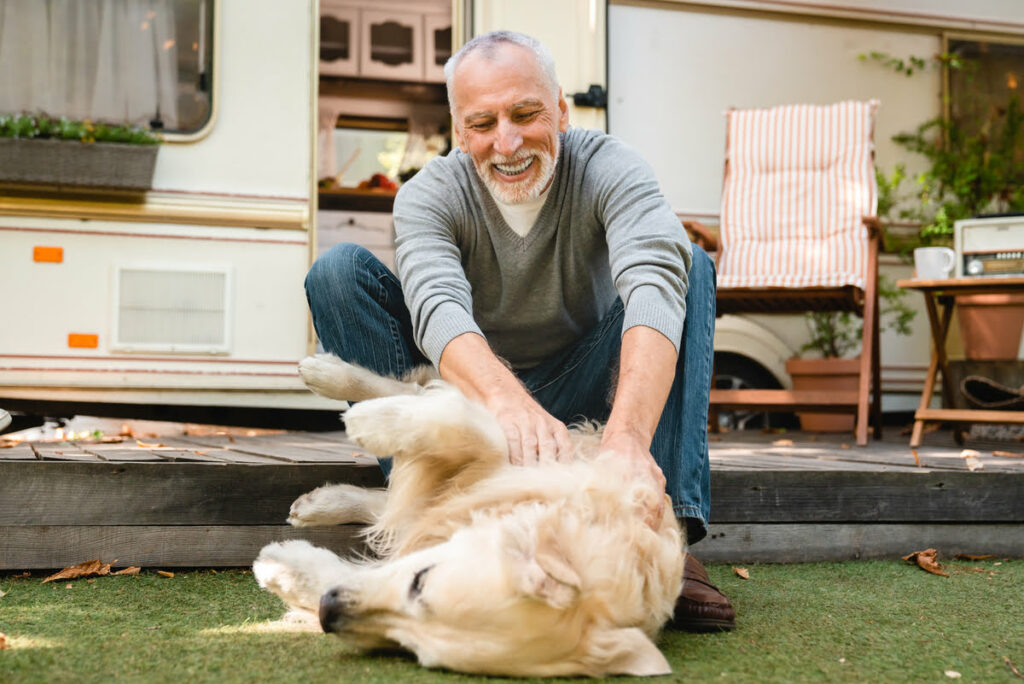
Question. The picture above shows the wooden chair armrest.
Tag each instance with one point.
(701, 235)
(874, 227)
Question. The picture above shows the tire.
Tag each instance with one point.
(735, 371)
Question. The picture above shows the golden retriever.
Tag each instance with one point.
(482, 566)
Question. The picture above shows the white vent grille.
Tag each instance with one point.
(172, 310)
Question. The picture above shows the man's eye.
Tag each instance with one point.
(526, 116)
(481, 126)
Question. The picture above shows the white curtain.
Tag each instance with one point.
(104, 60)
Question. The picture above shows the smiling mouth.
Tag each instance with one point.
(514, 169)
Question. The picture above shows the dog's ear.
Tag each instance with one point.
(623, 651)
(547, 575)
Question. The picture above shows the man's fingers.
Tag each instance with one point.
(564, 445)
(515, 447)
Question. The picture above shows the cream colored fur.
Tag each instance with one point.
(483, 567)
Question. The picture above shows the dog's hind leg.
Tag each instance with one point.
(329, 376)
(299, 572)
(337, 505)
(441, 424)
(441, 442)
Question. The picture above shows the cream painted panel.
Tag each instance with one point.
(45, 302)
(260, 143)
(668, 89)
(574, 32)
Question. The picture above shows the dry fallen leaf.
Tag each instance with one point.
(130, 570)
(970, 457)
(917, 461)
(165, 573)
(85, 569)
(927, 560)
(1006, 660)
(1007, 454)
(741, 572)
(970, 557)
(844, 446)
(4, 644)
(148, 445)
(782, 442)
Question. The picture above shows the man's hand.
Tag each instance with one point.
(533, 434)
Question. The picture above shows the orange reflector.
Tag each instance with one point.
(83, 340)
(53, 255)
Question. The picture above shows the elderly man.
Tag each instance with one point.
(542, 272)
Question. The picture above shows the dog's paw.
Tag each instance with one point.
(326, 375)
(337, 505)
(298, 572)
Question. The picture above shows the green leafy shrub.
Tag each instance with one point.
(41, 126)
(835, 334)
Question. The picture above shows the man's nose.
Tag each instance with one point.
(508, 140)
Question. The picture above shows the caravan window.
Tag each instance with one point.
(991, 77)
(143, 62)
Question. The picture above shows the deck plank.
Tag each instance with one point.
(152, 546)
(800, 543)
(291, 451)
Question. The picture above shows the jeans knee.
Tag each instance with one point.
(337, 268)
(702, 270)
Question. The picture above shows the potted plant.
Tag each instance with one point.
(834, 336)
(975, 166)
(38, 149)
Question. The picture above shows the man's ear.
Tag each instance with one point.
(623, 651)
(457, 132)
(563, 112)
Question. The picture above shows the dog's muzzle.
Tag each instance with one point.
(332, 610)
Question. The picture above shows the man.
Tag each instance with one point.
(543, 273)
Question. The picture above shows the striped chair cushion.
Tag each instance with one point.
(798, 182)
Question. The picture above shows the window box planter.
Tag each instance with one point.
(74, 163)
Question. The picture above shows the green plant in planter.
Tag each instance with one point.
(836, 334)
(43, 127)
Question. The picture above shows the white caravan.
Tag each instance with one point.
(189, 295)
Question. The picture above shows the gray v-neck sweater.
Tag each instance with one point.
(605, 230)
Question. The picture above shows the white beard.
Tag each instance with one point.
(526, 189)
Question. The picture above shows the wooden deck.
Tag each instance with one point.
(215, 500)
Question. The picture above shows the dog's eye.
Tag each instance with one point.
(417, 582)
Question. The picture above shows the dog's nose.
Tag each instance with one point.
(332, 610)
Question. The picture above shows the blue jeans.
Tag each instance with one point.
(360, 316)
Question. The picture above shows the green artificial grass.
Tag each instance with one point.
(860, 621)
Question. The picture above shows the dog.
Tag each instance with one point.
(480, 566)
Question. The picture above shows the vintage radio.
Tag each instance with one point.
(989, 246)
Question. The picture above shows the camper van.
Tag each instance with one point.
(287, 126)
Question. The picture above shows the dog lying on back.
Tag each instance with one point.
(483, 567)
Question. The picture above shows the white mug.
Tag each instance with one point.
(933, 263)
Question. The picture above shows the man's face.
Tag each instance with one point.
(507, 120)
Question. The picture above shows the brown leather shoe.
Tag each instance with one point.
(701, 607)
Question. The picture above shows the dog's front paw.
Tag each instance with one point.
(298, 572)
(337, 505)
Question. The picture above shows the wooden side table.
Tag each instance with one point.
(940, 301)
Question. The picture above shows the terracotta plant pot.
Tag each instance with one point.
(991, 325)
(825, 374)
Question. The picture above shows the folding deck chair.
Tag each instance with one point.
(798, 234)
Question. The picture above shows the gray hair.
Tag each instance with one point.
(488, 43)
